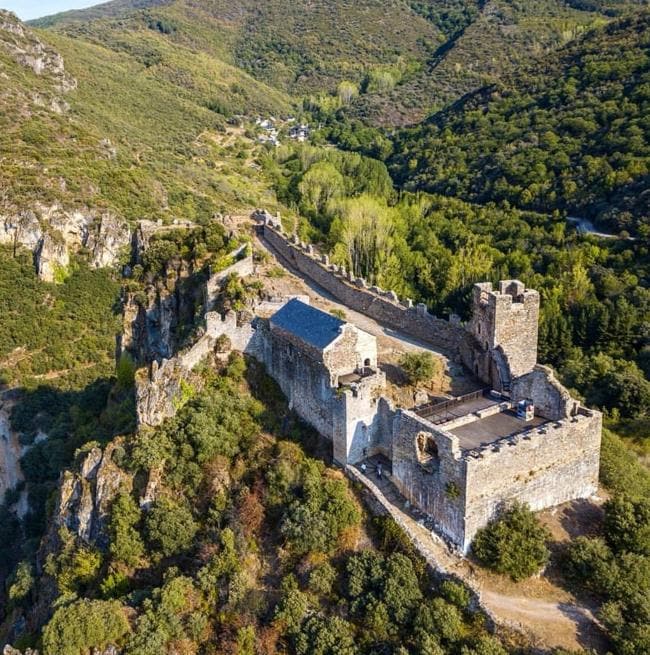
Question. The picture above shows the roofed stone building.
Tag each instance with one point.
(522, 437)
(327, 369)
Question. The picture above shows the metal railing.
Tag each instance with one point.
(443, 409)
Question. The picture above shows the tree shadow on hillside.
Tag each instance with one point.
(281, 421)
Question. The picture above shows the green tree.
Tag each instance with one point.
(325, 636)
(292, 608)
(514, 544)
(319, 185)
(77, 628)
(485, 646)
(346, 91)
(439, 619)
(419, 367)
(627, 524)
(126, 543)
(170, 526)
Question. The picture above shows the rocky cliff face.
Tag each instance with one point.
(153, 325)
(85, 496)
(26, 49)
(10, 453)
(53, 234)
(159, 391)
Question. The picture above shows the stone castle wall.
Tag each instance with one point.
(436, 487)
(383, 306)
(504, 324)
(544, 467)
(361, 420)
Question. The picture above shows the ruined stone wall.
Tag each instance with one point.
(243, 268)
(435, 487)
(383, 306)
(543, 467)
(550, 398)
(242, 334)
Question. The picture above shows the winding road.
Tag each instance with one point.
(585, 226)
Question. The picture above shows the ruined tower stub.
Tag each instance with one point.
(505, 320)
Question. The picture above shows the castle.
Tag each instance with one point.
(523, 437)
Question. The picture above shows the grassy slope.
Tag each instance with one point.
(152, 99)
(59, 335)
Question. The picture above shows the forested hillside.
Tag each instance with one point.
(571, 134)
(398, 60)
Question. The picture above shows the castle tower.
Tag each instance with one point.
(505, 325)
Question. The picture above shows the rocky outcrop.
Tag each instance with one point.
(51, 257)
(85, 496)
(24, 47)
(160, 390)
(53, 234)
(106, 239)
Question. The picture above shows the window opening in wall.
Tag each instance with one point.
(366, 362)
(427, 452)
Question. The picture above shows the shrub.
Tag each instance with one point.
(321, 578)
(223, 344)
(514, 544)
(589, 562)
(77, 628)
(126, 371)
(419, 367)
(170, 527)
(456, 593)
(22, 583)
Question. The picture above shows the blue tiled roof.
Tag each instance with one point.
(308, 323)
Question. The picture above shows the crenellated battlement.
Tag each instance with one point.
(385, 306)
(458, 460)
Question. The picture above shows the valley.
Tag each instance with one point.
(164, 488)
